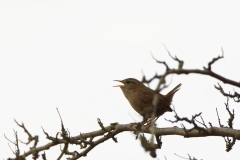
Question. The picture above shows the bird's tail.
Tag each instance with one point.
(170, 94)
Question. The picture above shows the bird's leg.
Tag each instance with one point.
(150, 122)
(146, 120)
(146, 124)
(140, 124)
(156, 119)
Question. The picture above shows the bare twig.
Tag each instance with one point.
(30, 137)
(206, 71)
(118, 128)
(235, 96)
(101, 124)
(202, 123)
(87, 141)
(64, 133)
(180, 62)
(190, 121)
(189, 157)
(219, 121)
(161, 62)
(17, 150)
(214, 60)
(229, 143)
(44, 156)
(231, 114)
(65, 148)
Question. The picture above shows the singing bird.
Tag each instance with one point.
(141, 99)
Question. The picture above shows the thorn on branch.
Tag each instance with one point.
(109, 132)
(44, 156)
(48, 137)
(64, 133)
(219, 121)
(210, 124)
(101, 124)
(111, 136)
(114, 139)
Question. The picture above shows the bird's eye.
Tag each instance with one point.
(128, 82)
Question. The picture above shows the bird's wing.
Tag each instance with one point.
(147, 98)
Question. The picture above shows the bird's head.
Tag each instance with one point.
(129, 84)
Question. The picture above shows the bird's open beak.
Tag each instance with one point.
(118, 85)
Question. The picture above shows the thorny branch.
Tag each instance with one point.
(219, 121)
(87, 141)
(44, 156)
(30, 137)
(180, 70)
(17, 150)
(235, 96)
(214, 60)
(206, 71)
(192, 121)
(180, 62)
(231, 114)
(229, 141)
(115, 129)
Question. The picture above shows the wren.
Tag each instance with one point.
(145, 101)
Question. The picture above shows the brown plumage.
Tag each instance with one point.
(141, 98)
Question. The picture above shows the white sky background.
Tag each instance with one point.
(66, 54)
